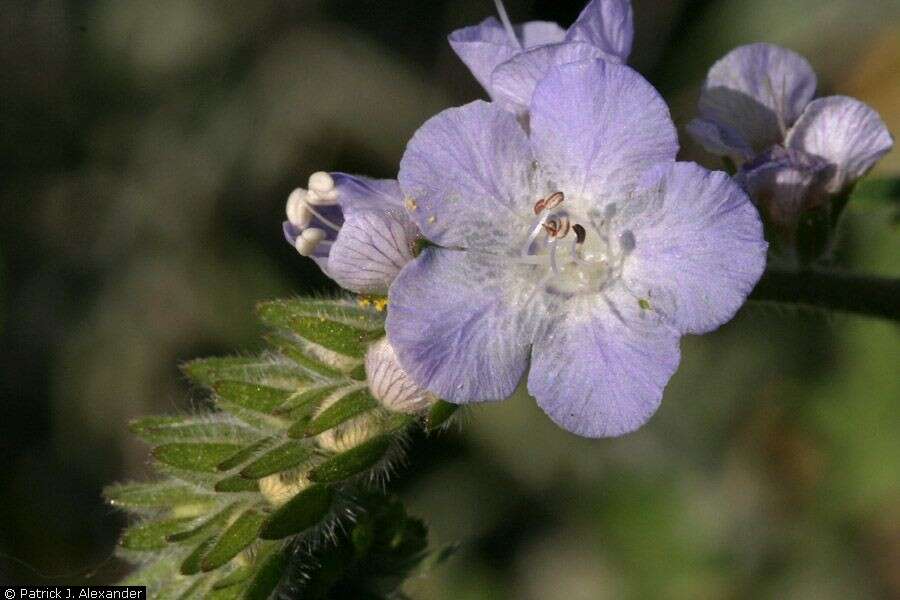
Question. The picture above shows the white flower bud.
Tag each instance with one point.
(347, 435)
(390, 384)
(277, 489)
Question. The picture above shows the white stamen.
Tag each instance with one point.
(321, 189)
(321, 182)
(308, 240)
(504, 18)
(573, 250)
(553, 265)
(318, 199)
(537, 225)
(296, 210)
(313, 234)
(325, 221)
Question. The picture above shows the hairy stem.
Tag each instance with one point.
(859, 294)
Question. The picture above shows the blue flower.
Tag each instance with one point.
(794, 153)
(581, 247)
(355, 228)
(509, 60)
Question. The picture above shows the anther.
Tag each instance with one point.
(549, 203)
(557, 228)
(552, 227)
(308, 240)
(321, 189)
(580, 233)
(554, 200)
(297, 212)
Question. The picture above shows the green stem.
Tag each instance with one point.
(863, 295)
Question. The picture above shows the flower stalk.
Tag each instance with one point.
(833, 290)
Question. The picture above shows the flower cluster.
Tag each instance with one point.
(795, 156)
(566, 247)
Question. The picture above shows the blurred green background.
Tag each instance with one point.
(148, 148)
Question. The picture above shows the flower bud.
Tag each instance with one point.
(347, 435)
(277, 489)
(390, 384)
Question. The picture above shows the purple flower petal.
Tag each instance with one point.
(699, 248)
(597, 126)
(362, 193)
(484, 46)
(607, 25)
(290, 232)
(458, 328)
(601, 370)
(514, 81)
(465, 174)
(757, 91)
(845, 132)
(370, 250)
(720, 140)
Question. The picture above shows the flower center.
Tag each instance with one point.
(576, 250)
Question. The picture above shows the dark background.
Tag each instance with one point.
(147, 151)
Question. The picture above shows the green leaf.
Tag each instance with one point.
(191, 564)
(301, 512)
(280, 313)
(353, 461)
(243, 455)
(359, 373)
(154, 495)
(267, 577)
(200, 479)
(392, 422)
(238, 575)
(210, 525)
(236, 483)
(259, 398)
(335, 336)
(162, 429)
(439, 413)
(151, 535)
(282, 458)
(344, 409)
(267, 424)
(153, 572)
(238, 536)
(197, 589)
(263, 371)
(337, 326)
(307, 399)
(232, 592)
(203, 457)
(305, 360)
